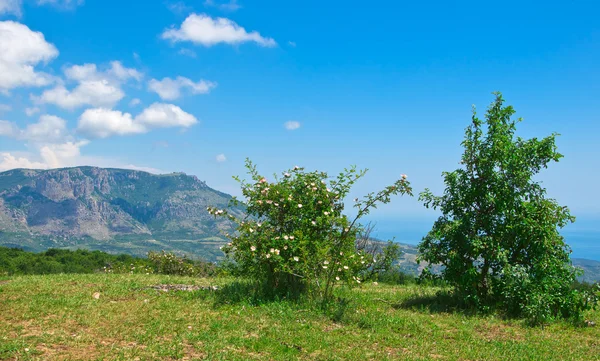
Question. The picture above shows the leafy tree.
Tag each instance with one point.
(295, 238)
(498, 237)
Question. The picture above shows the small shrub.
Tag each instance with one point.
(295, 239)
(170, 264)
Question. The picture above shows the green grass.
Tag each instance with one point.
(57, 318)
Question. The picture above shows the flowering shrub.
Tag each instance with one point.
(295, 237)
(169, 263)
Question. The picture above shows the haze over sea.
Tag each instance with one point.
(583, 236)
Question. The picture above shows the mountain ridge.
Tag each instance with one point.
(105, 208)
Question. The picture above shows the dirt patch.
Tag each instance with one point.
(498, 333)
(331, 327)
(179, 287)
(4, 282)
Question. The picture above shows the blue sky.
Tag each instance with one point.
(197, 86)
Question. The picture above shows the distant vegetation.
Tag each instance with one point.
(15, 261)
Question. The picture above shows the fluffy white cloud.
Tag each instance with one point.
(170, 89)
(49, 136)
(95, 93)
(207, 31)
(221, 158)
(61, 155)
(21, 49)
(291, 125)
(51, 145)
(160, 115)
(10, 161)
(95, 88)
(102, 123)
(134, 102)
(49, 129)
(10, 7)
(122, 73)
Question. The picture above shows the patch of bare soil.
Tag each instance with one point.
(179, 287)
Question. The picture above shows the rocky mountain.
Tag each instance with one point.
(114, 210)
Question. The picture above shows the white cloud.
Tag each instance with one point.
(62, 4)
(32, 111)
(95, 93)
(134, 102)
(143, 169)
(95, 88)
(221, 158)
(49, 129)
(49, 137)
(291, 125)
(5, 108)
(231, 5)
(179, 8)
(207, 31)
(10, 7)
(160, 115)
(170, 89)
(9, 161)
(9, 129)
(187, 52)
(122, 73)
(102, 123)
(61, 155)
(52, 145)
(21, 49)
(15, 7)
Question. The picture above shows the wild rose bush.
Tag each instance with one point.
(295, 238)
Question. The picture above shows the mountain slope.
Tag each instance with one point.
(109, 209)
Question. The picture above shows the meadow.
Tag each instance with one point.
(119, 317)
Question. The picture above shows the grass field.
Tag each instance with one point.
(58, 318)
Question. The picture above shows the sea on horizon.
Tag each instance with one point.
(583, 236)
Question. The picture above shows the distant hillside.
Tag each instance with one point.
(409, 264)
(114, 210)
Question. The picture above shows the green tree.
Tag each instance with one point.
(498, 237)
(296, 239)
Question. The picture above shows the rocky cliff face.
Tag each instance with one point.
(87, 205)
